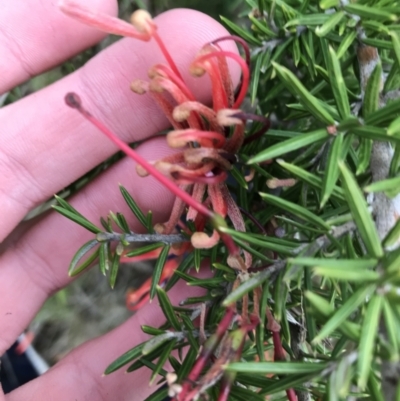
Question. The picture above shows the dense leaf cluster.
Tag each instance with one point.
(327, 75)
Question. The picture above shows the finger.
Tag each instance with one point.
(61, 146)
(36, 265)
(79, 375)
(36, 36)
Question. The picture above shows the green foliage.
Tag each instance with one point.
(318, 260)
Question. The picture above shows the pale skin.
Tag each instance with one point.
(44, 146)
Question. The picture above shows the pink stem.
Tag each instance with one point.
(103, 22)
(238, 40)
(166, 54)
(244, 67)
(279, 355)
(208, 349)
(74, 101)
(168, 73)
(208, 139)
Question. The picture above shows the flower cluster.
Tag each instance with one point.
(208, 137)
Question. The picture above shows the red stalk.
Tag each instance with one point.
(166, 72)
(209, 347)
(209, 139)
(103, 22)
(279, 353)
(166, 54)
(73, 101)
(243, 65)
(238, 40)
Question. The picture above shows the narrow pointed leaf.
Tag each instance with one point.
(382, 116)
(124, 359)
(359, 210)
(394, 127)
(297, 210)
(311, 103)
(73, 270)
(391, 184)
(393, 236)
(114, 269)
(337, 82)
(374, 13)
(372, 91)
(396, 44)
(77, 218)
(157, 342)
(329, 24)
(277, 368)
(246, 287)
(162, 360)
(338, 318)
(133, 206)
(367, 344)
(343, 273)
(311, 179)
(103, 258)
(167, 309)
(346, 43)
(144, 249)
(325, 4)
(160, 394)
(358, 264)
(332, 169)
(289, 145)
(158, 268)
(364, 155)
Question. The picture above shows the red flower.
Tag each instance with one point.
(208, 152)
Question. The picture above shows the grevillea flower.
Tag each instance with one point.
(208, 137)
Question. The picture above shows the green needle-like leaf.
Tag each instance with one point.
(297, 210)
(332, 169)
(385, 114)
(167, 309)
(77, 218)
(114, 269)
(162, 360)
(157, 341)
(372, 91)
(391, 185)
(343, 313)
(83, 250)
(374, 13)
(338, 318)
(126, 358)
(144, 249)
(393, 235)
(311, 103)
(337, 82)
(330, 24)
(277, 368)
(359, 210)
(311, 179)
(358, 264)
(158, 268)
(300, 141)
(103, 258)
(369, 332)
(134, 207)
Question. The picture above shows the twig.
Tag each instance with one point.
(133, 237)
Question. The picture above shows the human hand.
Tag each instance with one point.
(44, 146)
